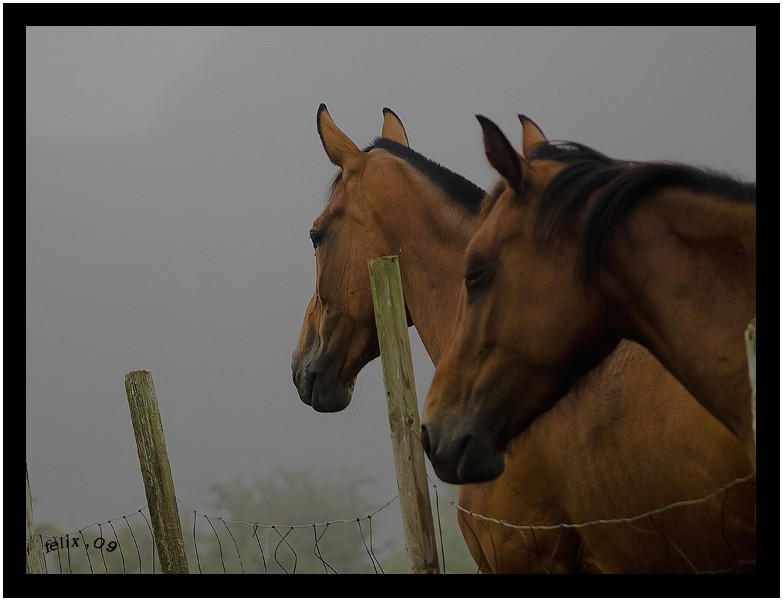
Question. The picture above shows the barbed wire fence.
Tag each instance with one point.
(126, 545)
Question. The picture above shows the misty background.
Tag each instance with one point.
(173, 173)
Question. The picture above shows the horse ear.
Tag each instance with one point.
(393, 128)
(501, 154)
(339, 147)
(531, 134)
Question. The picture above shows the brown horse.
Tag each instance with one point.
(577, 252)
(388, 199)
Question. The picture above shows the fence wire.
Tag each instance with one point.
(126, 545)
(739, 565)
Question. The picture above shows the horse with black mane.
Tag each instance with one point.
(577, 252)
(594, 458)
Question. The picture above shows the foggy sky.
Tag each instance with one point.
(172, 175)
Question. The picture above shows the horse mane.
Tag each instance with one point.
(465, 192)
(618, 185)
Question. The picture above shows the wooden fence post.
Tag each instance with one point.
(404, 423)
(750, 346)
(34, 561)
(156, 471)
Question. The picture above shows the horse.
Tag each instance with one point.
(577, 252)
(389, 199)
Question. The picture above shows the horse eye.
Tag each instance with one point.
(316, 238)
(477, 277)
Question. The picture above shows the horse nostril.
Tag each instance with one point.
(425, 439)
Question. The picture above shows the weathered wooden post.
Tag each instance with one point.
(750, 346)
(34, 561)
(404, 423)
(156, 471)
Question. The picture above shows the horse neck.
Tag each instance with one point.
(429, 231)
(684, 274)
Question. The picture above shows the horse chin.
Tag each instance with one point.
(471, 459)
(481, 469)
(330, 399)
(478, 465)
(321, 393)
(317, 384)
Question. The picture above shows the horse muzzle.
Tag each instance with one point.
(461, 457)
(317, 385)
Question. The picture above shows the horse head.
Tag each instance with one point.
(516, 348)
(338, 336)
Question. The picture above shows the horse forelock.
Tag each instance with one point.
(335, 181)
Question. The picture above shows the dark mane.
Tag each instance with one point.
(465, 192)
(618, 185)
(570, 152)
